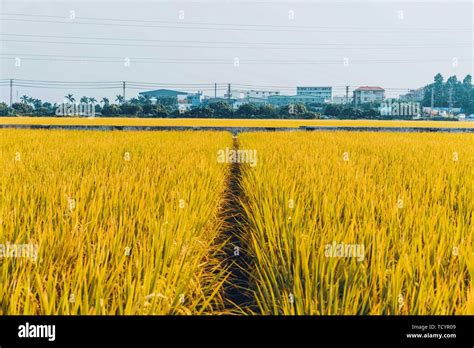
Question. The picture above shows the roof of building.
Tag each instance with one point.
(161, 93)
(369, 88)
(297, 96)
(319, 87)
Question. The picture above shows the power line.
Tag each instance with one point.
(137, 84)
(214, 42)
(229, 61)
(248, 47)
(321, 30)
(62, 87)
(212, 62)
(347, 28)
(95, 82)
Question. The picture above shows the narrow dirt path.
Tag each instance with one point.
(236, 292)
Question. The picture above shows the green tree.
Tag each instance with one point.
(22, 108)
(131, 109)
(201, 112)
(294, 111)
(5, 110)
(111, 110)
(25, 99)
(37, 103)
(221, 110)
(267, 111)
(160, 111)
(119, 99)
(248, 110)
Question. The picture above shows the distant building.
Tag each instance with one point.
(234, 94)
(253, 93)
(260, 94)
(163, 93)
(213, 100)
(280, 100)
(414, 95)
(341, 100)
(324, 94)
(189, 101)
(184, 100)
(367, 94)
(236, 103)
(237, 98)
(441, 112)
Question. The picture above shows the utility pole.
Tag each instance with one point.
(347, 94)
(450, 99)
(123, 87)
(215, 90)
(228, 92)
(11, 92)
(432, 98)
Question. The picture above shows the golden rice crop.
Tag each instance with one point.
(405, 200)
(203, 122)
(125, 222)
(335, 223)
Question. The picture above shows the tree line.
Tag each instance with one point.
(452, 92)
(144, 106)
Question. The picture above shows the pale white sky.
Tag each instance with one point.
(397, 44)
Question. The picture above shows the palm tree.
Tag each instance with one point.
(84, 99)
(25, 99)
(105, 101)
(119, 99)
(144, 99)
(70, 97)
(37, 103)
(92, 100)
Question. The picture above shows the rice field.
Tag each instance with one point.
(126, 223)
(361, 224)
(333, 223)
(206, 122)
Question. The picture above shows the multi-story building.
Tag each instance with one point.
(236, 98)
(238, 94)
(234, 94)
(189, 101)
(341, 99)
(163, 93)
(184, 100)
(324, 94)
(280, 100)
(236, 103)
(260, 94)
(414, 95)
(367, 94)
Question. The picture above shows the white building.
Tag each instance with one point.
(239, 94)
(367, 94)
(414, 95)
(341, 99)
(323, 94)
(236, 103)
(280, 100)
(234, 94)
(190, 100)
(260, 94)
